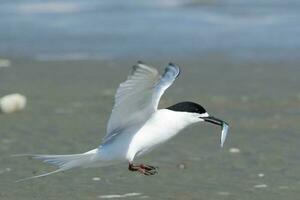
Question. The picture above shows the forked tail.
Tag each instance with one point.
(63, 162)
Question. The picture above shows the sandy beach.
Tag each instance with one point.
(69, 103)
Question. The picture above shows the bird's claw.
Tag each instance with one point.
(148, 172)
(143, 169)
(148, 167)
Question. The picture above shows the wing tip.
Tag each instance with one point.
(140, 62)
(176, 67)
(136, 66)
(140, 65)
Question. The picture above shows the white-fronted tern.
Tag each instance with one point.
(136, 126)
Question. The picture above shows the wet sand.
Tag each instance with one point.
(69, 103)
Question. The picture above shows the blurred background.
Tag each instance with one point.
(239, 59)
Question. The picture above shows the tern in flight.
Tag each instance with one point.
(136, 125)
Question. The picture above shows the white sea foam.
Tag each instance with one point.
(96, 179)
(71, 56)
(231, 19)
(49, 7)
(113, 196)
(260, 186)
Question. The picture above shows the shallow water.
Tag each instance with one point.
(69, 104)
(113, 29)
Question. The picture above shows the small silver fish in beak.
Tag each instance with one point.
(225, 128)
(221, 123)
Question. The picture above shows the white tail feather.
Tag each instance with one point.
(38, 176)
(64, 162)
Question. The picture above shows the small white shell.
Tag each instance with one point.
(12, 103)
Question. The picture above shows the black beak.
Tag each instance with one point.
(214, 120)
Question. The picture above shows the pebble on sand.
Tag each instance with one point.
(234, 150)
(181, 166)
(12, 103)
(261, 175)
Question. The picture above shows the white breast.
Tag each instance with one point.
(162, 126)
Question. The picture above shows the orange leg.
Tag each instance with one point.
(143, 169)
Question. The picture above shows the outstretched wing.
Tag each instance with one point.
(138, 97)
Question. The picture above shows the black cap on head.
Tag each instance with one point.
(187, 107)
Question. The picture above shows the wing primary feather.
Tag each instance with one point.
(138, 97)
(177, 68)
